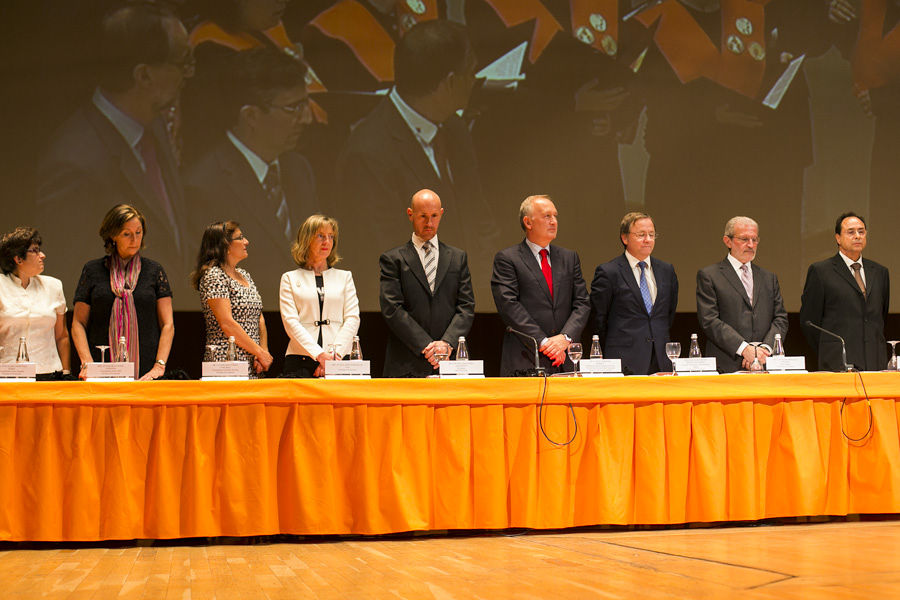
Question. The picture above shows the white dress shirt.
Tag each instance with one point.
(736, 265)
(259, 166)
(420, 250)
(130, 130)
(536, 251)
(651, 280)
(31, 313)
(849, 261)
(422, 128)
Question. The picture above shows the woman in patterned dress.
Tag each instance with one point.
(231, 304)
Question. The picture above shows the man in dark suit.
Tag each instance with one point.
(426, 294)
(739, 303)
(116, 148)
(413, 140)
(539, 291)
(848, 295)
(252, 175)
(634, 298)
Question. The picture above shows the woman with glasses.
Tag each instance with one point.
(124, 294)
(319, 307)
(231, 304)
(31, 305)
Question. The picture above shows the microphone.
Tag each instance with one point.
(847, 367)
(538, 369)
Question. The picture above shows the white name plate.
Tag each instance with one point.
(462, 368)
(591, 367)
(18, 371)
(109, 371)
(347, 369)
(224, 370)
(705, 365)
(786, 363)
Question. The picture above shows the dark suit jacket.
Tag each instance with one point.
(415, 317)
(524, 303)
(87, 169)
(832, 300)
(222, 186)
(727, 318)
(626, 330)
(383, 165)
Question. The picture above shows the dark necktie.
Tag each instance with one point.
(545, 267)
(439, 145)
(277, 202)
(153, 173)
(858, 276)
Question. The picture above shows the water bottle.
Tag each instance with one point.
(356, 349)
(462, 351)
(596, 352)
(231, 352)
(695, 347)
(778, 350)
(122, 350)
(22, 354)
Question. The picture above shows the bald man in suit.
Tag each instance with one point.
(739, 303)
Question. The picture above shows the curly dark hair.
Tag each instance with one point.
(16, 244)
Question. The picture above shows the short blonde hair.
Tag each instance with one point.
(629, 220)
(528, 205)
(307, 234)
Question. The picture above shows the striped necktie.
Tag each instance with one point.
(430, 264)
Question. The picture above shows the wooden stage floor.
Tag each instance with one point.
(825, 560)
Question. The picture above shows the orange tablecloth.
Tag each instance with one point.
(82, 461)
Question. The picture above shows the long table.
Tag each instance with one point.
(99, 461)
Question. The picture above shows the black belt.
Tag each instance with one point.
(319, 323)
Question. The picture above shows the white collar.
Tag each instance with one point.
(535, 249)
(736, 264)
(632, 261)
(128, 128)
(259, 166)
(424, 129)
(419, 242)
(849, 261)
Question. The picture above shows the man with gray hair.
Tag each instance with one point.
(739, 303)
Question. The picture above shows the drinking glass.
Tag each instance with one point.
(102, 350)
(442, 352)
(673, 351)
(892, 364)
(331, 349)
(211, 352)
(575, 355)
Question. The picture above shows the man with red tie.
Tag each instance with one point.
(539, 291)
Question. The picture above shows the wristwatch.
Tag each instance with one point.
(161, 363)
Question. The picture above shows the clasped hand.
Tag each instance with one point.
(431, 352)
(555, 349)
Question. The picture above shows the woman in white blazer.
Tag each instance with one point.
(319, 307)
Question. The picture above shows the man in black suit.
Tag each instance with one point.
(413, 140)
(426, 294)
(252, 175)
(634, 298)
(848, 295)
(739, 303)
(116, 148)
(539, 291)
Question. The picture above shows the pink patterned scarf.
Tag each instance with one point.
(123, 318)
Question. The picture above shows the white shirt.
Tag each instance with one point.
(259, 166)
(536, 251)
(31, 313)
(736, 265)
(651, 280)
(422, 128)
(848, 261)
(419, 243)
(130, 130)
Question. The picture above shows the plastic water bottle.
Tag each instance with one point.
(695, 347)
(778, 350)
(231, 352)
(22, 354)
(596, 352)
(462, 351)
(356, 349)
(122, 350)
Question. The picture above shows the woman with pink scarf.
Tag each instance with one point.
(124, 295)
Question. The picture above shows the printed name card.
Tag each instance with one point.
(109, 371)
(457, 369)
(701, 366)
(600, 367)
(18, 371)
(224, 370)
(347, 369)
(786, 363)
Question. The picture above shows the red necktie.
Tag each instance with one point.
(545, 267)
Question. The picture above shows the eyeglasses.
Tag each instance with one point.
(296, 109)
(645, 236)
(746, 240)
(35, 250)
(238, 238)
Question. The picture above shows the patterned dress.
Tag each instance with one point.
(246, 308)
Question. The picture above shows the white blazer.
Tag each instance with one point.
(299, 304)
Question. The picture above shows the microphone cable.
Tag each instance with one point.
(541, 417)
(871, 420)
